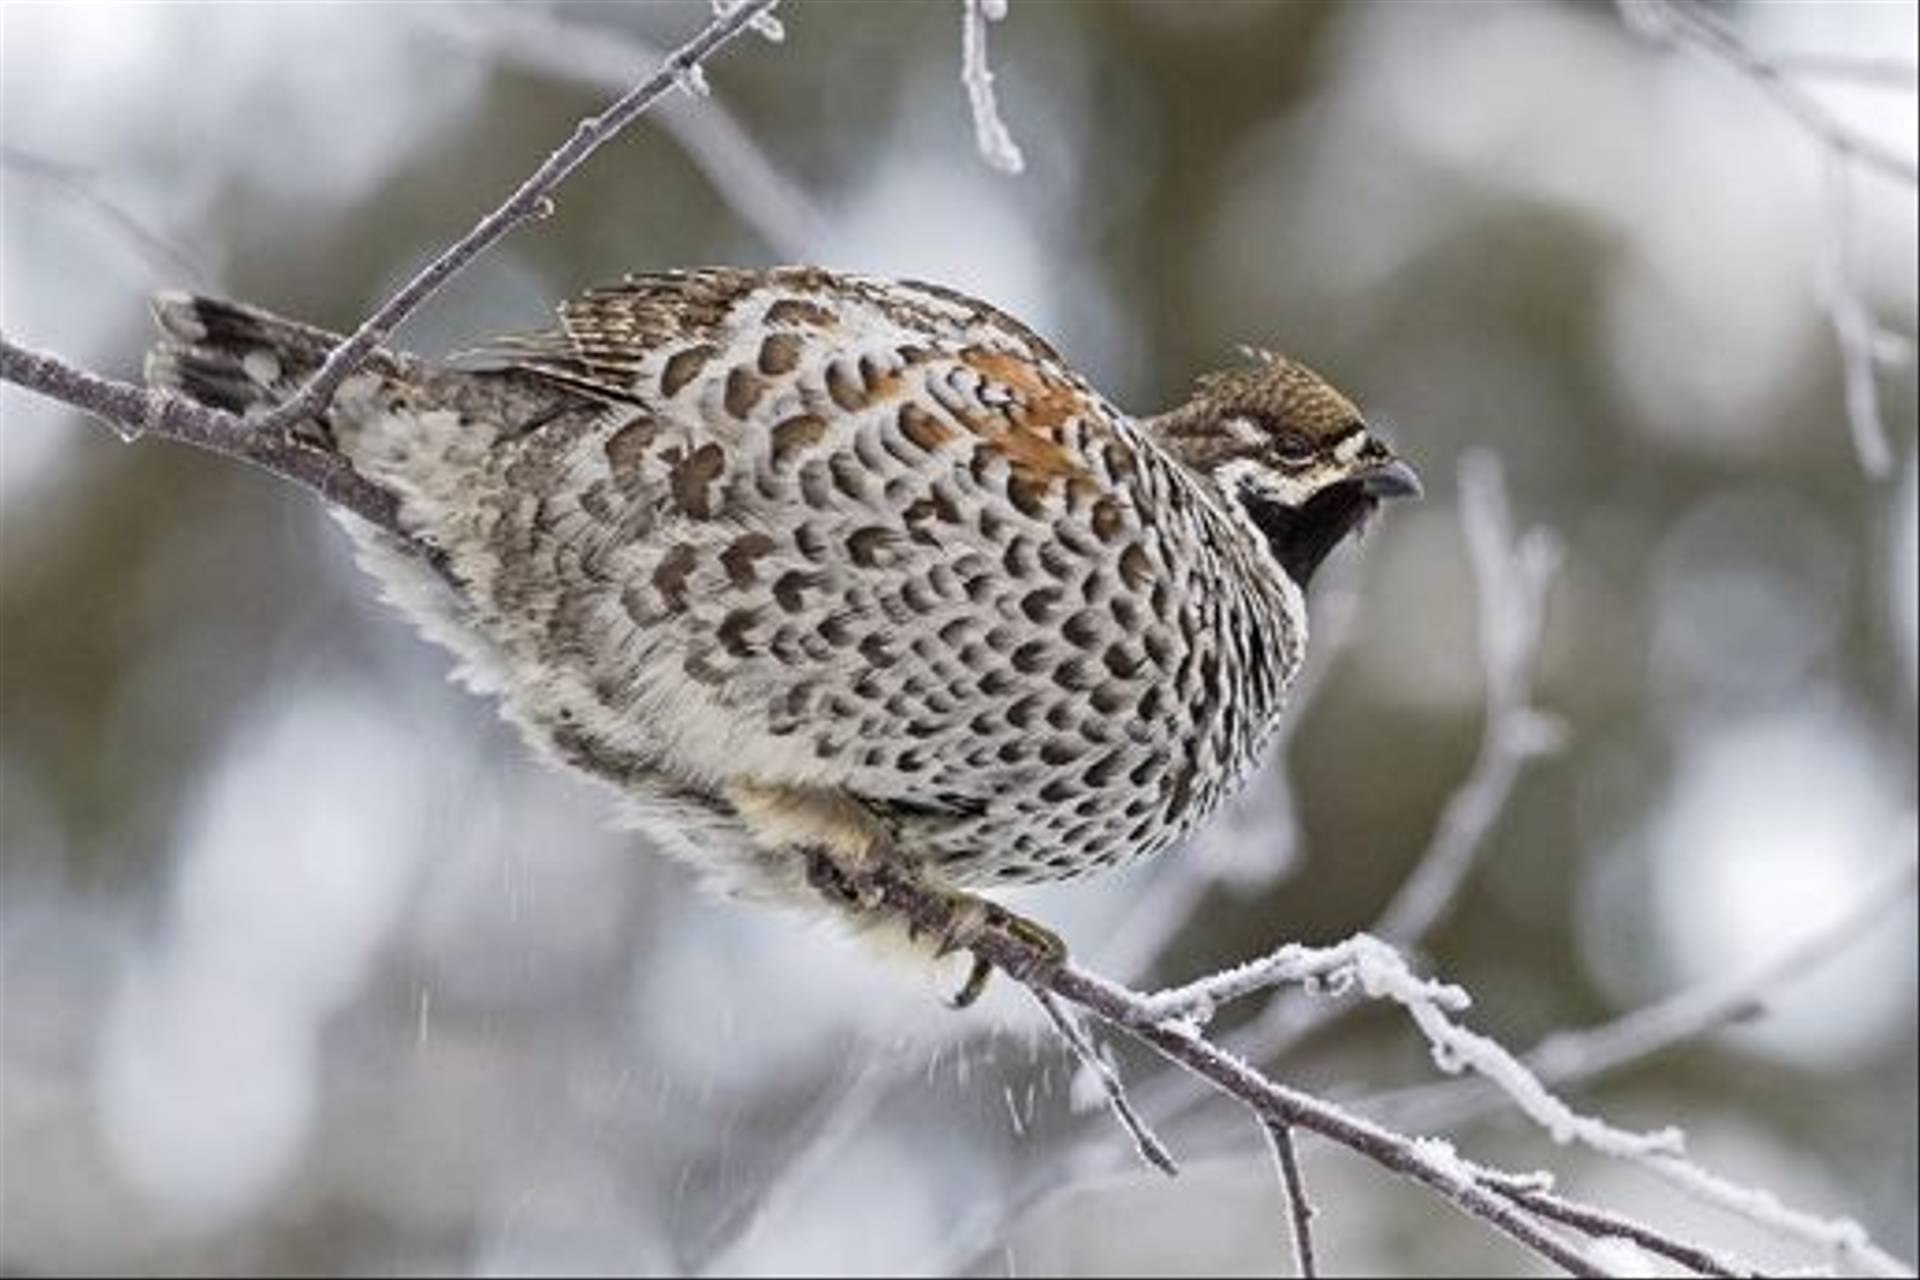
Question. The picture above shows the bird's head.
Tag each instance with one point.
(1291, 452)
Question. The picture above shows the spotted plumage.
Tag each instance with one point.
(791, 556)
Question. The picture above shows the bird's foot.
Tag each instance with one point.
(950, 919)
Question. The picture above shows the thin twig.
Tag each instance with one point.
(1382, 973)
(1864, 344)
(1299, 1209)
(1148, 1143)
(1844, 1239)
(530, 201)
(748, 179)
(805, 1153)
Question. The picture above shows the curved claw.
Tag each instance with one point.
(1037, 938)
(975, 986)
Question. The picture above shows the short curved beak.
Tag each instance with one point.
(1390, 479)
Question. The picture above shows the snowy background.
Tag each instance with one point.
(308, 968)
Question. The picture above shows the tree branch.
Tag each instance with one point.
(132, 412)
(1299, 1208)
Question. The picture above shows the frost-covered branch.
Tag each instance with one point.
(1168, 1024)
(997, 146)
(1382, 974)
(1571, 1057)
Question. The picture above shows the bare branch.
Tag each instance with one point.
(530, 201)
(1151, 1149)
(746, 177)
(1299, 1208)
(997, 146)
(132, 412)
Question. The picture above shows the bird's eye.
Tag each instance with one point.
(1291, 445)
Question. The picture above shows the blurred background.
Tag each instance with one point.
(308, 968)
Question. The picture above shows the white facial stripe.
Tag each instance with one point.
(1268, 483)
(1245, 431)
(1348, 451)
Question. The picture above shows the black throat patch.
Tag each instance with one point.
(1301, 537)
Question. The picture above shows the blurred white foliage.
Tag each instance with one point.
(1434, 667)
(884, 228)
(1749, 595)
(871, 1211)
(298, 856)
(731, 998)
(1772, 820)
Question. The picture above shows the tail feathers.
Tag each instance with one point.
(230, 356)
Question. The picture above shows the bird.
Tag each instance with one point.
(822, 571)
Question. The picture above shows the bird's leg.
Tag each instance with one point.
(850, 858)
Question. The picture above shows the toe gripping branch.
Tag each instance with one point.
(955, 920)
